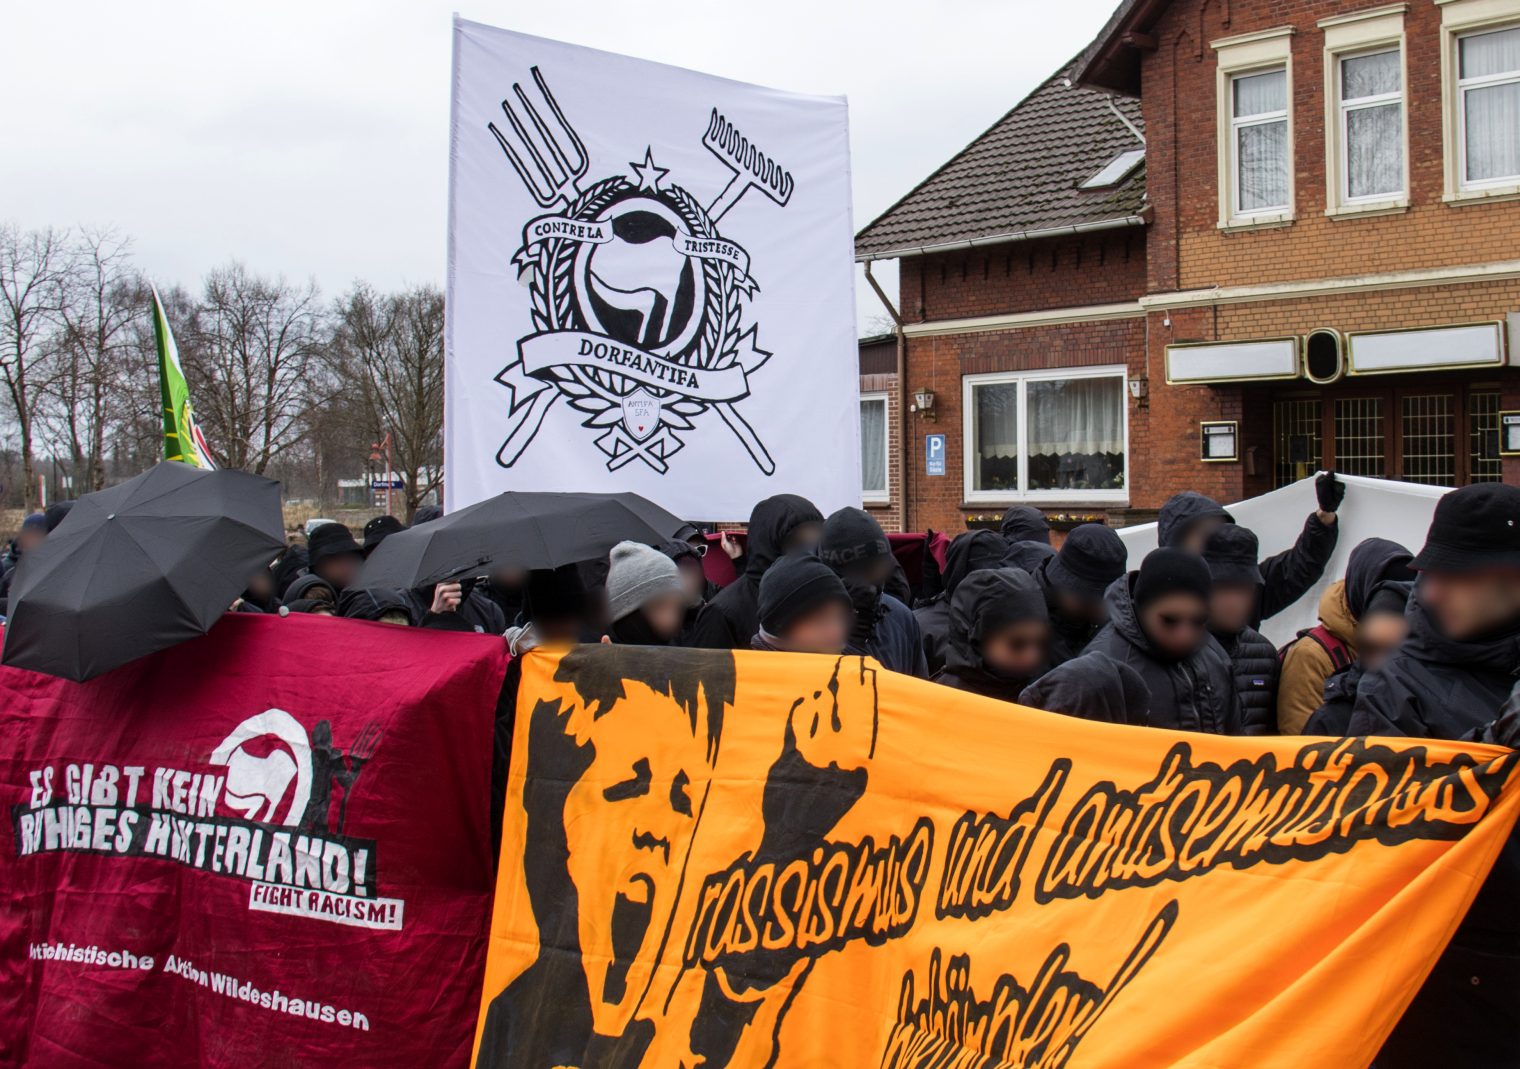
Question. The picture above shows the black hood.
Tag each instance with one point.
(1025, 523)
(373, 603)
(972, 552)
(302, 586)
(1427, 643)
(769, 524)
(1093, 686)
(1122, 617)
(1370, 563)
(984, 600)
(1183, 510)
(1028, 556)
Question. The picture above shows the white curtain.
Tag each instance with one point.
(997, 420)
(1261, 149)
(1076, 416)
(873, 448)
(1492, 111)
(1374, 132)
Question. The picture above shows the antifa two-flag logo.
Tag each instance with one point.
(638, 301)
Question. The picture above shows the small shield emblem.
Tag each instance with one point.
(641, 413)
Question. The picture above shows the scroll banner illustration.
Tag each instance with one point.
(270, 844)
(755, 859)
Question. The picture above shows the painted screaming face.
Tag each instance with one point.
(628, 826)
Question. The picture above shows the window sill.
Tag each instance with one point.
(876, 502)
(1047, 504)
(1482, 196)
(1265, 222)
(1364, 211)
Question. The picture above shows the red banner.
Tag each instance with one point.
(268, 845)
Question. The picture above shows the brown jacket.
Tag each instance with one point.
(1306, 665)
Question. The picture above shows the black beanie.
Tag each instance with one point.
(1089, 561)
(852, 536)
(1170, 571)
(794, 586)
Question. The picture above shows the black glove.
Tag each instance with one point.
(1505, 731)
(1330, 491)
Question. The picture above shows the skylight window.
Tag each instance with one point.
(1116, 170)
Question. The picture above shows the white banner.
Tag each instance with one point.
(1374, 508)
(651, 283)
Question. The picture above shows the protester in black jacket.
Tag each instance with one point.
(697, 590)
(461, 605)
(1231, 554)
(778, 525)
(1187, 519)
(1381, 629)
(1074, 583)
(335, 556)
(1025, 523)
(1158, 625)
(1093, 686)
(378, 604)
(645, 600)
(970, 552)
(804, 608)
(999, 634)
(1448, 681)
(854, 545)
(1028, 556)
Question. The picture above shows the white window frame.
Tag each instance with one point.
(885, 496)
(1460, 18)
(1242, 56)
(1362, 33)
(1022, 379)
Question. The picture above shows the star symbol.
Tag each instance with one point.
(647, 173)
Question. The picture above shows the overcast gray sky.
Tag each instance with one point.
(311, 138)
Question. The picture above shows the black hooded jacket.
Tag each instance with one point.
(1092, 687)
(1373, 562)
(1286, 576)
(371, 603)
(1000, 594)
(1435, 687)
(1068, 637)
(1193, 694)
(970, 552)
(731, 618)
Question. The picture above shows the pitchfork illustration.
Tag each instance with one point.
(552, 163)
(362, 750)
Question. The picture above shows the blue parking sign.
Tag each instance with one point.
(934, 454)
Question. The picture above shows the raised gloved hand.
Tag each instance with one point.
(1329, 491)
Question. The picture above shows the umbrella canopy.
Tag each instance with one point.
(139, 567)
(516, 530)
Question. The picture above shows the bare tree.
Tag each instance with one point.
(254, 364)
(97, 353)
(34, 269)
(391, 347)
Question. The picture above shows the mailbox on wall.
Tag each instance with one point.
(1219, 441)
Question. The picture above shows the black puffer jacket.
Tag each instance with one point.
(970, 552)
(1286, 576)
(990, 596)
(1253, 662)
(1434, 687)
(1092, 687)
(1193, 694)
(732, 617)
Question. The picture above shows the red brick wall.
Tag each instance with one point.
(1187, 249)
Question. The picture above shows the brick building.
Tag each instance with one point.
(1309, 260)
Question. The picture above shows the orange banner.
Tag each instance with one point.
(759, 859)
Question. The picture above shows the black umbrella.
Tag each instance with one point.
(140, 567)
(516, 530)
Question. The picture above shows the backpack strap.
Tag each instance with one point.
(1335, 648)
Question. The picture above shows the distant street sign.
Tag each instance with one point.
(934, 454)
(387, 484)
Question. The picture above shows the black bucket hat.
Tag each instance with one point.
(331, 540)
(1474, 527)
(1232, 553)
(1090, 559)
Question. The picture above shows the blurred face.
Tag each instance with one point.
(628, 822)
(1016, 650)
(1072, 606)
(1231, 605)
(1467, 605)
(824, 630)
(873, 572)
(1377, 635)
(30, 538)
(802, 538)
(261, 584)
(322, 609)
(396, 617)
(341, 571)
(1198, 533)
(665, 614)
(1176, 624)
(693, 581)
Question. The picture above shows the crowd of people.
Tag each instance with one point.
(1424, 644)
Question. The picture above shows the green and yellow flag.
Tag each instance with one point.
(183, 440)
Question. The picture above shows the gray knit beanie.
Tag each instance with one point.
(639, 573)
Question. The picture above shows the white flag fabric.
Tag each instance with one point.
(1374, 508)
(651, 283)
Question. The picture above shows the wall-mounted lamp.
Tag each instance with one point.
(1138, 388)
(923, 403)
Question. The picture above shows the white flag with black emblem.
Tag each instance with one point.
(651, 283)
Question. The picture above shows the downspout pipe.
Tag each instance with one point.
(904, 453)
